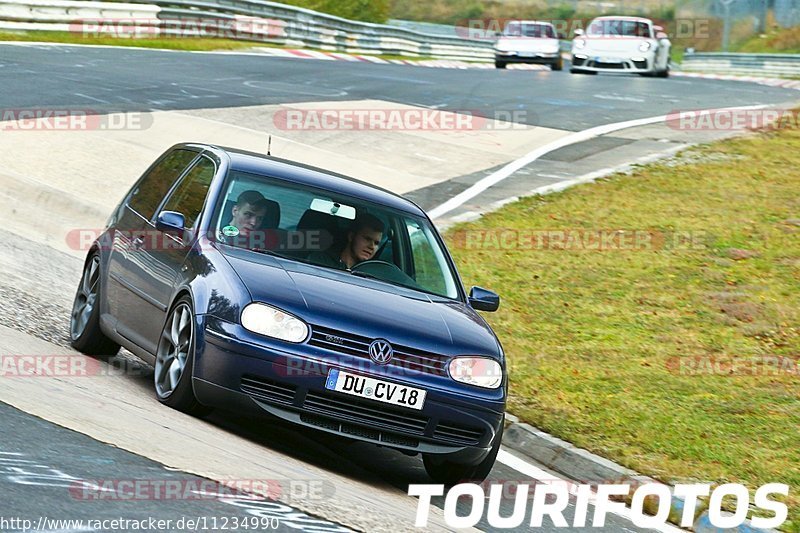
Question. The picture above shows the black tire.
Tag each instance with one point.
(500, 64)
(84, 325)
(180, 395)
(663, 74)
(450, 473)
(578, 71)
(558, 65)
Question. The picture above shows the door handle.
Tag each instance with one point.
(137, 242)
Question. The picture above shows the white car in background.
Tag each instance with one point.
(621, 44)
(528, 41)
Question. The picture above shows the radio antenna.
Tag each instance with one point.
(269, 146)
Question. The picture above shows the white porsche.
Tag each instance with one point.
(621, 44)
(528, 41)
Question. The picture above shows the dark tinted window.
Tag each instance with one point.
(155, 185)
(190, 194)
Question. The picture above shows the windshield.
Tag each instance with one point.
(616, 27)
(517, 29)
(329, 230)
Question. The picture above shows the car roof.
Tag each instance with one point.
(255, 163)
(611, 17)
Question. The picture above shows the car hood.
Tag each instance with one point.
(338, 300)
(522, 44)
(628, 45)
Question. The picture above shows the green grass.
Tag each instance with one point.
(594, 338)
(777, 41)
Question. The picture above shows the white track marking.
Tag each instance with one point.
(496, 177)
(534, 472)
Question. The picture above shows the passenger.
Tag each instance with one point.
(363, 240)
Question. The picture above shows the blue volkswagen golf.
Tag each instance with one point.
(265, 286)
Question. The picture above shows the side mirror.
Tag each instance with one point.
(170, 222)
(483, 300)
(578, 32)
(661, 35)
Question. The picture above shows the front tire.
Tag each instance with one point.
(558, 65)
(175, 361)
(450, 473)
(84, 325)
(500, 64)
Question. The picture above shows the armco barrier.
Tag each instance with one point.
(288, 25)
(767, 65)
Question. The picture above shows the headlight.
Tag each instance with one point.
(478, 371)
(580, 43)
(645, 46)
(272, 322)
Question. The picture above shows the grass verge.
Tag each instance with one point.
(659, 358)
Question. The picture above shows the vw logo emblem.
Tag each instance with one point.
(380, 351)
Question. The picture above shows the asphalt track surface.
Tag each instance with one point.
(106, 80)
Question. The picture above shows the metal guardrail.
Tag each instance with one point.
(767, 65)
(270, 22)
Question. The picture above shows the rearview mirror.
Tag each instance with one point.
(483, 300)
(578, 32)
(170, 221)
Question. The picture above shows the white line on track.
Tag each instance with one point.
(507, 171)
(546, 478)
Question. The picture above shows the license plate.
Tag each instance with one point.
(608, 59)
(528, 54)
(375, 389)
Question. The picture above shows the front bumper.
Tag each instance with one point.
(595, 62)
(235, 374)
(537, 58)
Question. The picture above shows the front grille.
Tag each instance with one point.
(358, 346)
(358, 431)
(458, 433)
(617, 66)
(267, 390)
(640, 64)
(369, 413)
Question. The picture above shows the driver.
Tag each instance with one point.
(363, 240)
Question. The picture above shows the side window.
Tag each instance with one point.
(190, 194)
(427, 265)
(155, 185)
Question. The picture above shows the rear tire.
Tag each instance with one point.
(500, 64)
(175, 361)
(450, 473)
(84, 325)
(558, 65)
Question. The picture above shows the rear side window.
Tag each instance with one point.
(155, 185)
(190, 195)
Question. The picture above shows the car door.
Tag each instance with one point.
(132, 310)
(169, 258)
